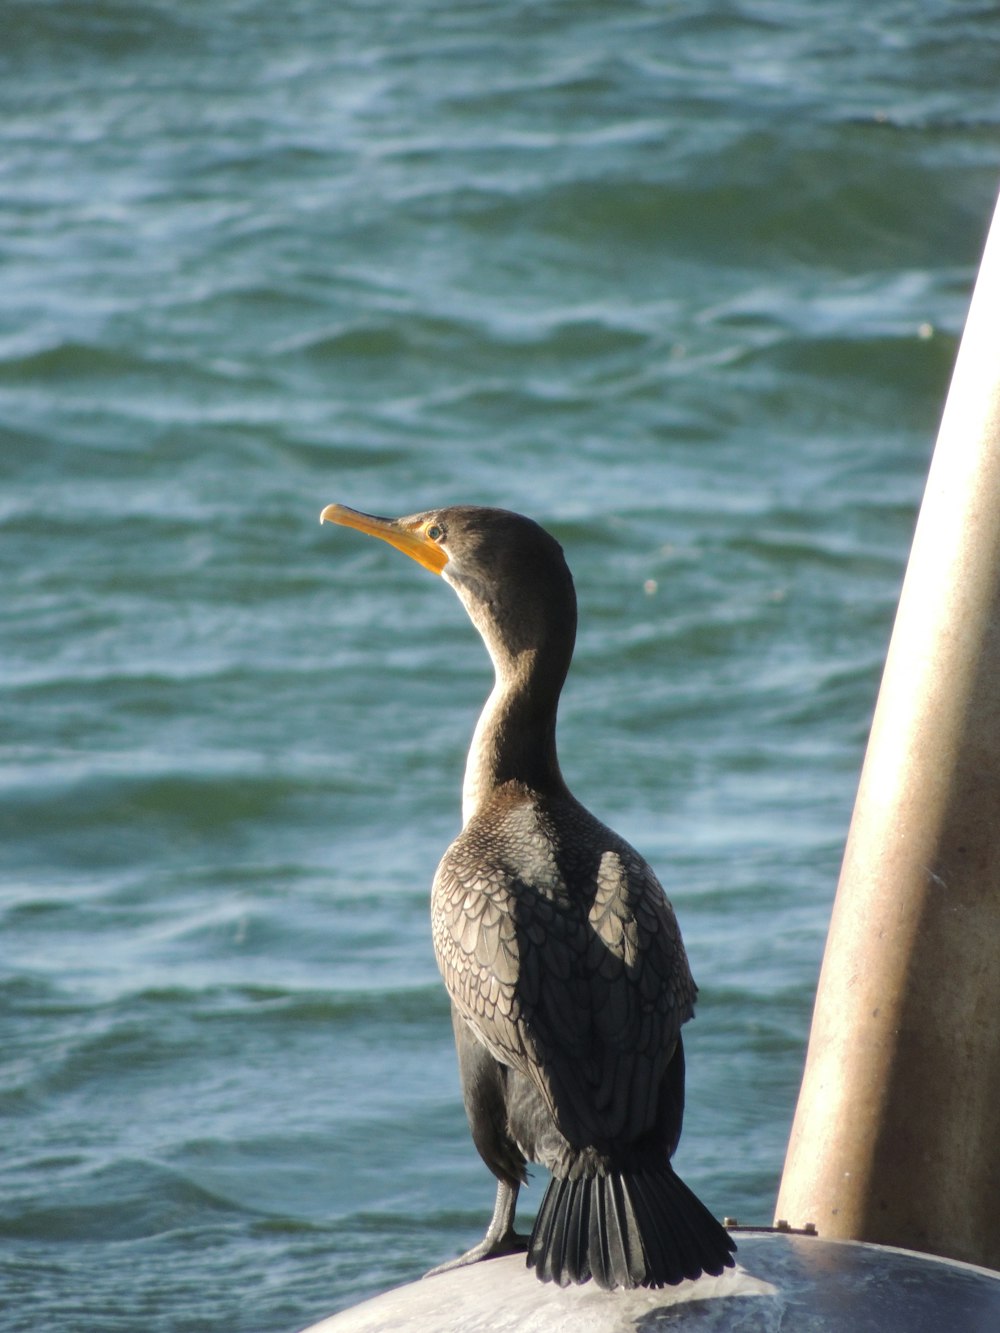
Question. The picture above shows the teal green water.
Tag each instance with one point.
(682, 282)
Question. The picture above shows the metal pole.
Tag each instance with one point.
(896, 1138)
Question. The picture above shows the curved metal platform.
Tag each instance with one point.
(783, 1284)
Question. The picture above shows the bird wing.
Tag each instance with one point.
(561, 952)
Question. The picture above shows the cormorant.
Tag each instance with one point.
(561, 954)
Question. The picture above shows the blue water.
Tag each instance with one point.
(684, 283)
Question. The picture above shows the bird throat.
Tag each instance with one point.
(515, 738)
(514, 743)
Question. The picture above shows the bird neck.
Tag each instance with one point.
(515, 737)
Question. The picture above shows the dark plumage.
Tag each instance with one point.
(562, 956)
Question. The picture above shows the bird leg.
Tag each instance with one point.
(500, 1238)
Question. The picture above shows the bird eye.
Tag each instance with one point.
(435, 532)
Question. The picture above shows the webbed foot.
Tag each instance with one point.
(512, 1243)
(500, 1238)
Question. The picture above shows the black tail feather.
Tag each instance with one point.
(680, 1229)
(545, 1219)
(626, 1229)
(663, 1254)
(635, 1253)
(576, 1257)
(597, 1237)
(561, 1212)
(619, 1259)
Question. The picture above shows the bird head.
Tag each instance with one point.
(509, 573)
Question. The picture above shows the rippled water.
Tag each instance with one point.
(685, 284)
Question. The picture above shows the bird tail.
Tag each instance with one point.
(640, 1228)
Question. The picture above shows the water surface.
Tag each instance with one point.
(682, 282)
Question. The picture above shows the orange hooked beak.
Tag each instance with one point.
(407, 535)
